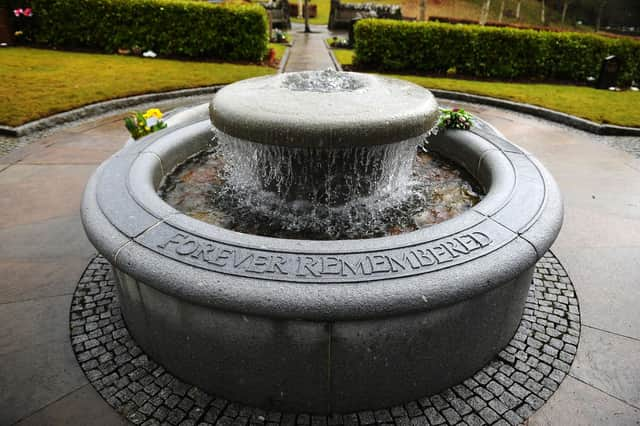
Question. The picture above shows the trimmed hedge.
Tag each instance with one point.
(168, 27)
(503, 53)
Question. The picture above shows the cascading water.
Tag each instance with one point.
(269, 176)
(210, 189)
(316, 175)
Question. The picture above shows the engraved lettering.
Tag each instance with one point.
(187, 247)
(455, 248)
(464, 249)
(383, 263)
(304, 265)
(441, 254)
(331, 266)
(426, 258)
(204, 253)
(258, 262)
(397, 265)
(446, 245)
(277, 262)
(238, 260)
(359, 265)
(176, 239)
(481, 239)
(380, 264)
(469, 242)
(222, 257)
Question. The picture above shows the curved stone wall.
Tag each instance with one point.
(323, 326)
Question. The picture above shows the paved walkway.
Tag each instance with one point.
(309, 51)
(43, 252)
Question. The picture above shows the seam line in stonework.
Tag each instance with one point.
(603, 391)
(635, 339)
(35, 299)
(42, 221)
(158, 223)
(115, 257)
(51, 403)
(518, 236)
(157, 158)
(539, 255)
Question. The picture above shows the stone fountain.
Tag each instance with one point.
(311, 325)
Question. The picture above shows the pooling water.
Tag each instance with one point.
(269, 190)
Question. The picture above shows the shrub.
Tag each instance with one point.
(168, 27)
(490, 52)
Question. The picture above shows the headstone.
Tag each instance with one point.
(352, 39)
(609, 71)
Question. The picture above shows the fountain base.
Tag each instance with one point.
(323, 326)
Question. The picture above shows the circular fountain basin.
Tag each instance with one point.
(322, 326)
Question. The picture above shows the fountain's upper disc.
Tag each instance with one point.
(324, 109)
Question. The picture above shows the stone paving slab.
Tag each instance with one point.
(81, 407)
(35, 194)
(26, 279)
(609, 280)
(604, 360)
(36, 377)
(32, 323)
(309, 51)
(579, 404)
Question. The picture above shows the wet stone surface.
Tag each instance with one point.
(505, 392)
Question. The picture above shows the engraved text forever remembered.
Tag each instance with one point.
(291, 266)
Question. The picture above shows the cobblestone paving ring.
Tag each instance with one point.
(506, 391)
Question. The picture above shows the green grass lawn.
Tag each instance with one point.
(322, 17)
(344, 56)
(37, 82)
(279, 48)
(601, 106)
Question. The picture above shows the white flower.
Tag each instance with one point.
(149, 54)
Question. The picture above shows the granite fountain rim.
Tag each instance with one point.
(127, 221)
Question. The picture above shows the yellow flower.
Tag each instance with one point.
(153, 112)
(147, 128)
(18, 33)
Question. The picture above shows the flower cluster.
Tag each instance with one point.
(279, 36)
(141, 124)
(455, 118)
(27, 12)
(22, 23)
(338, 42)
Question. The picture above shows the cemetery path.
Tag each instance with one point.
(309, 51)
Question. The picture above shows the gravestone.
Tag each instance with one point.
(609, 71)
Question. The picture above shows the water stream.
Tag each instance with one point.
(365, 192)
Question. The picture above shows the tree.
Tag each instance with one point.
(484, 12)
(306, 17)
(501, 11)
(542, 17)
(565, 6)
(518, 10)
(601, 5)
(423, 10)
